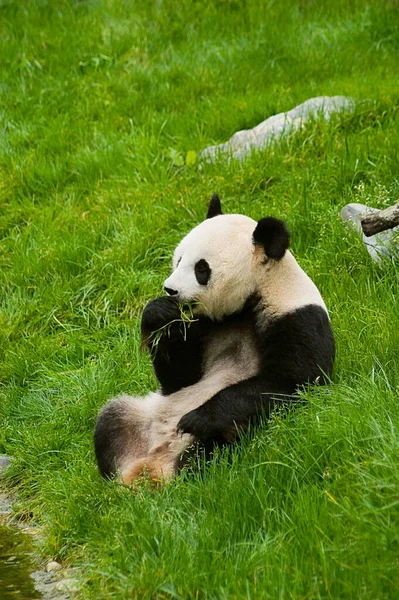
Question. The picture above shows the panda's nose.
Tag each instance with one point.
(170, 292)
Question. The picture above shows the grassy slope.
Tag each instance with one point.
(96, 99)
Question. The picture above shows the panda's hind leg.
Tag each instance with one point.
(123, 432)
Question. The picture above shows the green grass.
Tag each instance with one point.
(100, 102)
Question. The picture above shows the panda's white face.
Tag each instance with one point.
(213, 266)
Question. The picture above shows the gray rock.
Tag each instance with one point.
(4, 462)
(53, 566)
(377, 246)
(243, 142)
(53, 586)
(5, 505)
(49, 591)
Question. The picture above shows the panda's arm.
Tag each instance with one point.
(175, 344)
(234, 408)
(298, 349)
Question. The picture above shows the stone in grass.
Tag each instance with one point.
(378, 246)
(273, 128)
(53, 566)
(5, 505)
(56, 584)
(4, 463)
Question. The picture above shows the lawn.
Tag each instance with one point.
(100, 103)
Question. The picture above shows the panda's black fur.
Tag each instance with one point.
(293, 354)
(271, 345)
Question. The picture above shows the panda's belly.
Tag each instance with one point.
(231, 353)
(231, 356)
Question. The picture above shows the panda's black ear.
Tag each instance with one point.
(214, 208)
(273, 235)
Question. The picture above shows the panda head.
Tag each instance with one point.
(220, 263)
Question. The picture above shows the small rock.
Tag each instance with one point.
(5, 505)
(53, 566)
(4, 462)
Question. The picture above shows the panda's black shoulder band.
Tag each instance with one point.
(273, 235)
(215, 207)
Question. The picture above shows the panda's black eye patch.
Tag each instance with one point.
(202, 271)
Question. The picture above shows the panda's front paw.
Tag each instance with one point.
(199, 424)
(158, 314)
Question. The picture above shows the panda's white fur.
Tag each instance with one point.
(140, 434)
(225, 242)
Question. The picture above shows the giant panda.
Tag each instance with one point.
(258, 330)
